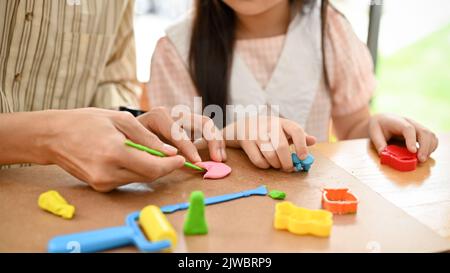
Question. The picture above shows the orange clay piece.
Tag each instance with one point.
(339, 201)
(302, 221)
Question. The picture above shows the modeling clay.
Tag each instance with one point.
(339, 201)
(153, 222)
(215, 170)
(262, 190)
(302, 165)
(195, 222)
(302, 221)
(53, 202)
(278, 195)
(399, 158)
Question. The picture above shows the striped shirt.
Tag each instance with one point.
(63, 54)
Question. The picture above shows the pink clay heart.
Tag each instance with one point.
(215, 170)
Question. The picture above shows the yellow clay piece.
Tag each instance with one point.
(156, 226)
(53, 202)
(302, 221)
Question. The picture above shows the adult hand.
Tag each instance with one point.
(89, 144)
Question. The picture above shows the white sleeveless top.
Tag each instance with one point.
(296, 80)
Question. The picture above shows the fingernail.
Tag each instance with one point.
(198, 159)
(170, 149)
(303, 156)
(422, 158)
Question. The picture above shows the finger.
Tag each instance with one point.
(149, 166)
(125, 176)
(137, 133)
(409, 133)
(111, 178)
(281, 146)
(254, 154)
(160, 121)
(399, 126)
(201, 144)
(435, 144)
(427, 141)
(310, 140)
(298, 136)
(269, 153)
(214, 138)
(424, 146)
(118, 178)
(377, 137)
(183, 143)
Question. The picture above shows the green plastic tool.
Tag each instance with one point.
(160, 154)
(195, 222)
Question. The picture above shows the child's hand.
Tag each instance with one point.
(383, 127)
(266, 141)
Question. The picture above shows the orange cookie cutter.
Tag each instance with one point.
(302, 221)
(339, 201)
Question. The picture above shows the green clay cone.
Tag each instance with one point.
(195, 222)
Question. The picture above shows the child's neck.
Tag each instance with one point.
(271, 23)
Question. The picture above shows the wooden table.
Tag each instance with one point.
(397, 213)
(423, 194)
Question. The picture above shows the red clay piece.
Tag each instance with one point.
(399, 158)
(339, 201)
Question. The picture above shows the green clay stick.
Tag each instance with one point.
(160, 154)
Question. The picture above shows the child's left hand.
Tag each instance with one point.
(383, 127)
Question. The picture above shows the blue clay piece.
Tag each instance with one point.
(295, 159)
(302, 165)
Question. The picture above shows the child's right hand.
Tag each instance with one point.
(266, 141)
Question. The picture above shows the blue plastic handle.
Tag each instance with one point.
(109, 238)
(262, 190)
(92, 241)
(105, 239)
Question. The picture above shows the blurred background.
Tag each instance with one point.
(413, 60)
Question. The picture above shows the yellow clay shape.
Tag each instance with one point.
(156, 226)
(302, 221)
(53, 202)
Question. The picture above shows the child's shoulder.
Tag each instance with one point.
(182, 25)
(335, 16)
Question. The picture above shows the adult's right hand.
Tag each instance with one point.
(89, 144)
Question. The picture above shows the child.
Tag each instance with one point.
(301, 56)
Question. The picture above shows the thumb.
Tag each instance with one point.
(168, 164)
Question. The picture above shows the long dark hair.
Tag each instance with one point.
(212, 44)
